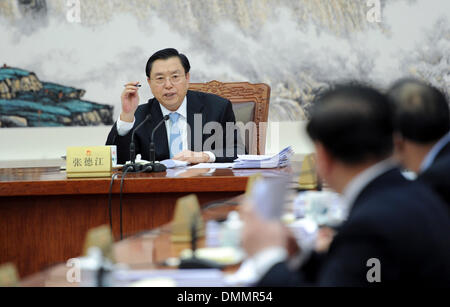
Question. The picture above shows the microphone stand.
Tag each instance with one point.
(156, 167)
(194, 262)
(132, 167)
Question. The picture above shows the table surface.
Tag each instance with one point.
(41, 202)
(144, 251)
(53, 181)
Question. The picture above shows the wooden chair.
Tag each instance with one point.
(250, 104)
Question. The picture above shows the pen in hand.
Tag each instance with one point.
(137, 85)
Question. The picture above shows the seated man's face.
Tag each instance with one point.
(169, 82)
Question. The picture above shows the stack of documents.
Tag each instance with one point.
(281, 159)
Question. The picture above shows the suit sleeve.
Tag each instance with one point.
(346, 263)
(232, 142)
(349, 266)
(280, 275)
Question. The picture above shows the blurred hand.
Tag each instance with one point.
(130, 101)
(325, 236)
(192, 157)
(259, 234)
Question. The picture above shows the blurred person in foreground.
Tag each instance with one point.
(396, 231)
(421, 133)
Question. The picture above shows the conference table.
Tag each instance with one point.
(146, 250)
(44, 216)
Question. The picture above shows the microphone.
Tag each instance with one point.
(132, 167)
(132, 145)
(193, 262)
(156, 167)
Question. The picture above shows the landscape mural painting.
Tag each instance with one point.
(25, 101)
(86, 50)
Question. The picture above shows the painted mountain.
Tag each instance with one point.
(25, 101)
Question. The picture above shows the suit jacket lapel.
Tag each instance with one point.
(194, 106)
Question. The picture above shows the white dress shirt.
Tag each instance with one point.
(429, 158)
(124, 127)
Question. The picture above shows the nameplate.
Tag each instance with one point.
(187, 214)
(92, 161)
(8, 275)
(308, 175)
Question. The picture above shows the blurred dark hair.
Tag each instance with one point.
(421, 112)
(353, 122)
(164, 55)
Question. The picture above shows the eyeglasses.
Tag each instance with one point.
(174, 79)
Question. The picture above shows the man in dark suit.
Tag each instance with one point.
(191, 117)
(422, 132)
(396, 231)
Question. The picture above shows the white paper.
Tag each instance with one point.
(212, 165)
(268, 196)
(281, 159)
(254, 157)
(182, 278)
(170, 163)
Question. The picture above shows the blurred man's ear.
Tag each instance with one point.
(325, 161)
(399, 142)
(399, 147)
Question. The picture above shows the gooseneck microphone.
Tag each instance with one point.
(193, 262)
(132, 167)
(132, 145)
(156, 167)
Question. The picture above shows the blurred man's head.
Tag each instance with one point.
(421, 117)
(168, 76)
(351, 128)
